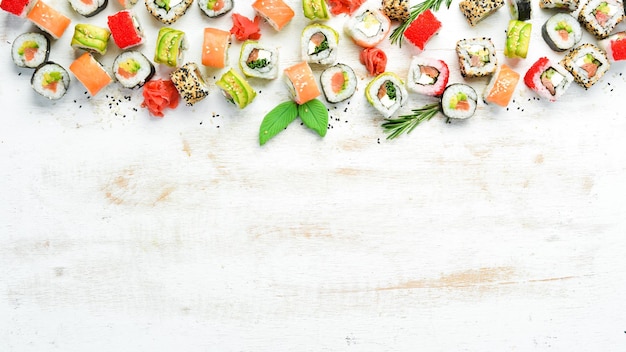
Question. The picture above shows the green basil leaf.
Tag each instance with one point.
(277, 120)
(315, 116)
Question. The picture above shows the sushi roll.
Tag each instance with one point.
(517, 39)
(215, 48)
(459, 101)
(319, 44)
(424, 27)
(568, 5)
(477, 10)
(125, 29)
(90, 73)
(520, 9)
(132, 69)
(30, 49)
(167, 11)
(90, 38)
(18, 8)
(127, 4)
(367, 27)
(338, 83)
(396, 10)
(386, 93)
(601, 16)
(501, 87)
(428, 76)
(315, 10)
(276, 12)
(256, 60)
(236, 89)
(48, 19)
(50, 80)
(614, 46)
(587, 63)
(215, 8)
(549, 80)
(477, 57)
(301, 82)
(189, 83)
(88, 8)
(170, 47)
(561, 32)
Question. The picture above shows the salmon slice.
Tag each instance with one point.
(48, 19)
(429, 71)
(337, 82)
(215, 47)
(276, 12)
(90, 73)
(303, 82)
(503, 86)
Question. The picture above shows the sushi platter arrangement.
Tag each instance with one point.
(347, 50)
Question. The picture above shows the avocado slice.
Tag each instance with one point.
(523, 41)
(315, 9)
(168, 47)
(512, 36)
(91, 37)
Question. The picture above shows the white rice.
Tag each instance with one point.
(86, 9)
(146, 69)
(38, 76)
(43, 49)
(324, 57)
(270, 71)
(349, 87)
(386, 106)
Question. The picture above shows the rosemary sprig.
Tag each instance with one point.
(416, 10)
(406, 123)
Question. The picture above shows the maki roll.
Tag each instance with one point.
(90, 73)
(520, 9)
(258, 61)
(424, 27)
(18, 8)
(459, 101)
(561, 32)
(501, 86)
(338, 83)
(50, 80)
(315, 9)
(48, 19)
(90, 38)
(276, 12)
(601, 16)
(171, 44)
(319, 44)
(517, 39)
(167, 11)
(132, 69)
(301, 82)
(215, 8)
(215, 47)
(568, 5)
(30, 49)
(367, 27)
(386, 93)
(477, 57)
(396, 10)
(428, 76)
(614, 46)
(587, 63)
(88, 8)
(549, 80)
(477, 10)
(125, 29)
(189, 83)
(236, 89)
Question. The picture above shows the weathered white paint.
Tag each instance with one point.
(501, 233)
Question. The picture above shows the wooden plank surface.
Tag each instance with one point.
(125, 232)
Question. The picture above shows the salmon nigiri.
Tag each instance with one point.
(301, 82)
(48, 19)
(502, 86)
(215, 48)
(90, 73)
(276, 12)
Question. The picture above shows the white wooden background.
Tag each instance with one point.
(122, 232)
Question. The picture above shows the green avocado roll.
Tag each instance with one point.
(236, 89)
(90, 38)
(170, 46)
